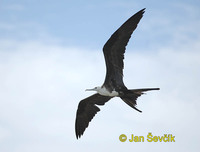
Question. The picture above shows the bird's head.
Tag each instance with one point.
(94, 89)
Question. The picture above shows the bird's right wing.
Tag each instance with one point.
(87, 109)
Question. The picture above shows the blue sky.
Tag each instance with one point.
(51, 51)
(68, 21)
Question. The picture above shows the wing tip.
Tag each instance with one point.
(78, 136)
(79, 133)
(142, 11)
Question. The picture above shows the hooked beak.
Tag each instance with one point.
(90, 89)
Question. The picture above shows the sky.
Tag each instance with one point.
(51, 51)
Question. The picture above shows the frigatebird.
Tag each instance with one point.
(113, 85)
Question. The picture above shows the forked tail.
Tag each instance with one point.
(130, 96)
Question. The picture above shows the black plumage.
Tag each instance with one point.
(113, 50)
(87, 109)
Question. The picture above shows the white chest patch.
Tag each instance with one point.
(104, 92)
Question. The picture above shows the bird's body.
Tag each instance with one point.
(105, 92)
(113, 85)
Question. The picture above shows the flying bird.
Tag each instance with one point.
(113, 85)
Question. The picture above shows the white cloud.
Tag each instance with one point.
(41, 85)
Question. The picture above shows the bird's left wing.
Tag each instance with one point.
(114, 50)
(86, 111)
